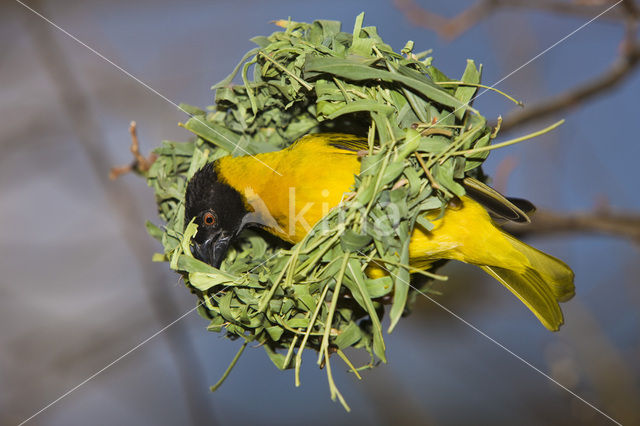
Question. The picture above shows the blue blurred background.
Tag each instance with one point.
(78, 289)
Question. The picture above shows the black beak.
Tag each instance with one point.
(212, 250)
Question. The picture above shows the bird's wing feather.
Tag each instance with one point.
(345, 142)
(531, 289)
(497, 203)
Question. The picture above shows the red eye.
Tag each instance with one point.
(209, 219)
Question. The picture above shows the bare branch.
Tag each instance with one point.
(624, 225)
(140, 164)
(632, 8)
(615, 75)
(450, 28)
(622, 68)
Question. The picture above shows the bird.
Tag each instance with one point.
(286, 192)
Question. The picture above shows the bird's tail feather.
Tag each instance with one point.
(533, 291)
(554, 272)
(540, 284)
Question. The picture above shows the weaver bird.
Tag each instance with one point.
(288, 191)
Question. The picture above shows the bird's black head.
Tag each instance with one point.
(219, 212)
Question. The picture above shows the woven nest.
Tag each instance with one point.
(423, 137)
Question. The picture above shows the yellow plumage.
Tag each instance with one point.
(312, 176)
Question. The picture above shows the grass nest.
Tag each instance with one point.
(423, 137)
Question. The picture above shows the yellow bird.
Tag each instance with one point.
(288, 191)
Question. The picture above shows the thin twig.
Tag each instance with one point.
(432, 181)
(632, 8)
(573, 97)
(511, 141)
(140, 164)
(451, 28)
(624, 225)
(448, 28)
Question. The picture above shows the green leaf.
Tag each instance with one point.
(433, 144)
(437, 75)
(349, 336)
(224, 303)
(444, 174)
(171, 148)
(361, 105)
(246, 56)
(362, 46)
(475, 160)
(392, 171)
(430, 204)
(370, 165)
(216, 324)
(275, 332)
(355, 273)
(401, 287)
(213, 133)
(276, 358)
(379, 287)
(205, 282)
(190, 109)
(351, 241)
(411, 143)
(351, 70)
(471, 75)
(425, 223)
(298, 322)
(154, 231)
